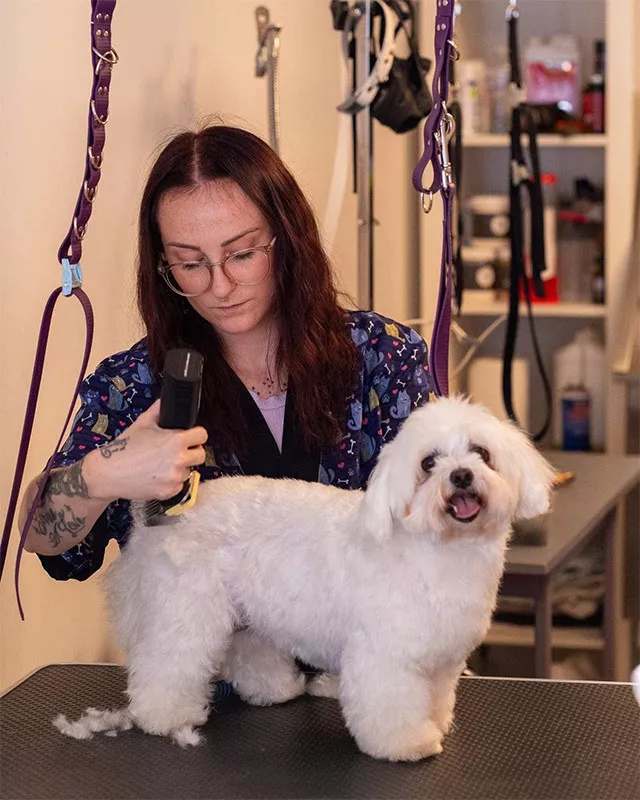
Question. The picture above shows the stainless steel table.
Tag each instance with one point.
(581, 509)
(513, 740)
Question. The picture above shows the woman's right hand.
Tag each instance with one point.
(146, 462)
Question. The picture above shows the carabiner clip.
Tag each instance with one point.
(71, 277)
(447, 128)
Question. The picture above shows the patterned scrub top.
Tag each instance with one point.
(394, 379)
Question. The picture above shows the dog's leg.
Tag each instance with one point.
(175, 627)
(261, 674)
(169, 677)
(387, 707)
(444, 698)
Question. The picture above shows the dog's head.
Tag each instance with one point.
(455, 469)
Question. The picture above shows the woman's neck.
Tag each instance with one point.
(252, 356)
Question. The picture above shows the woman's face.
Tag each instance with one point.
(209, 222)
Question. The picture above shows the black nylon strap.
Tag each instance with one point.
(520, 175)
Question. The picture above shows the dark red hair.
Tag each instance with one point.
(315, 349)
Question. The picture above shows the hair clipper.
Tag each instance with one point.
(179, 405)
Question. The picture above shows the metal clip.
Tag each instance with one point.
(71, 277)
(265, 32)
(519, 173)
(447, 128)
(511, 11)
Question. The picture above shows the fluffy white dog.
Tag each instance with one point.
(389, 590)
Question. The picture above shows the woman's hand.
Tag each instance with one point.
(146, 462)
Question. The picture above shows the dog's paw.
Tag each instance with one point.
(187, 736)
(272, 693)
(174, 722)
(414, 748)
(324, 685)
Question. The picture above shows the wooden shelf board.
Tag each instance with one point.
(544, 140)
(481, 306)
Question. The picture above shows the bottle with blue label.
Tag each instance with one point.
(579, 393)
(575, 419)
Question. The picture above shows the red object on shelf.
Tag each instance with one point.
(550, 291)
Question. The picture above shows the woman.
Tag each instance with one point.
(231, 265)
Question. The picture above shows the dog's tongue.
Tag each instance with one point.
(465, 506)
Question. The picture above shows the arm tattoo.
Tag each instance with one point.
(116, 447)
(55, 523)
(68, 481)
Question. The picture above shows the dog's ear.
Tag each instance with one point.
(530, 471)
(390, 490)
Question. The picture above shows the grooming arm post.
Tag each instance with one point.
(364, 157)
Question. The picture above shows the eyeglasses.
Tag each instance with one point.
(193, 278)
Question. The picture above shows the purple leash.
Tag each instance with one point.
(104, 57)
(438, 129)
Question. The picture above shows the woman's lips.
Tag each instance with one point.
(229, 309)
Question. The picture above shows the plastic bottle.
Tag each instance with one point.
(579, 378)
(579, 258)
(471, 75)
(498, 80)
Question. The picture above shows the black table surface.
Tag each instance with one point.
(513, 739)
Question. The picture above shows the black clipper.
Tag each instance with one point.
(179, 406)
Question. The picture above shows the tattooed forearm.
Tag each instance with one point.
(68, 481)
(54, 523)
(116, 447)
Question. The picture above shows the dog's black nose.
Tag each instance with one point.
(461, 478)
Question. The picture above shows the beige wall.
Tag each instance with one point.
(179, 63)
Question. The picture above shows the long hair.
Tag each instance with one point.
(314, 346)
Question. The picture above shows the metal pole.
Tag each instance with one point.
(364, 161)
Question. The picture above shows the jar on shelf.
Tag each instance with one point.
(579, 257)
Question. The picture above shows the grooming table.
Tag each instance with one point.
(513, 739)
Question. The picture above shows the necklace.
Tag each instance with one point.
(268, 387)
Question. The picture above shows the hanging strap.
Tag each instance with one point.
(27, 428)
(103, 58)
(455, 148)
(438, 129)
(519, 177)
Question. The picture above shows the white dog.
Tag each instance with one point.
(389, 589)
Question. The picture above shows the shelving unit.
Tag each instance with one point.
(605, 158)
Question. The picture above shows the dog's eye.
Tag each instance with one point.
(482, 452)
(428, 463)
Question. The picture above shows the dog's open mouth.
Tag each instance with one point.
(464, 506)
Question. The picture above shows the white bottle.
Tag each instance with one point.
(581, 363)
(471, 75)
(498, 80)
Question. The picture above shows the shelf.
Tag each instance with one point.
(505, 633)
(473, 306)
(544, 140)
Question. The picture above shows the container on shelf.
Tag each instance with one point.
(552, 72)
(579, 257)
(579, 392)
(473, 93)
